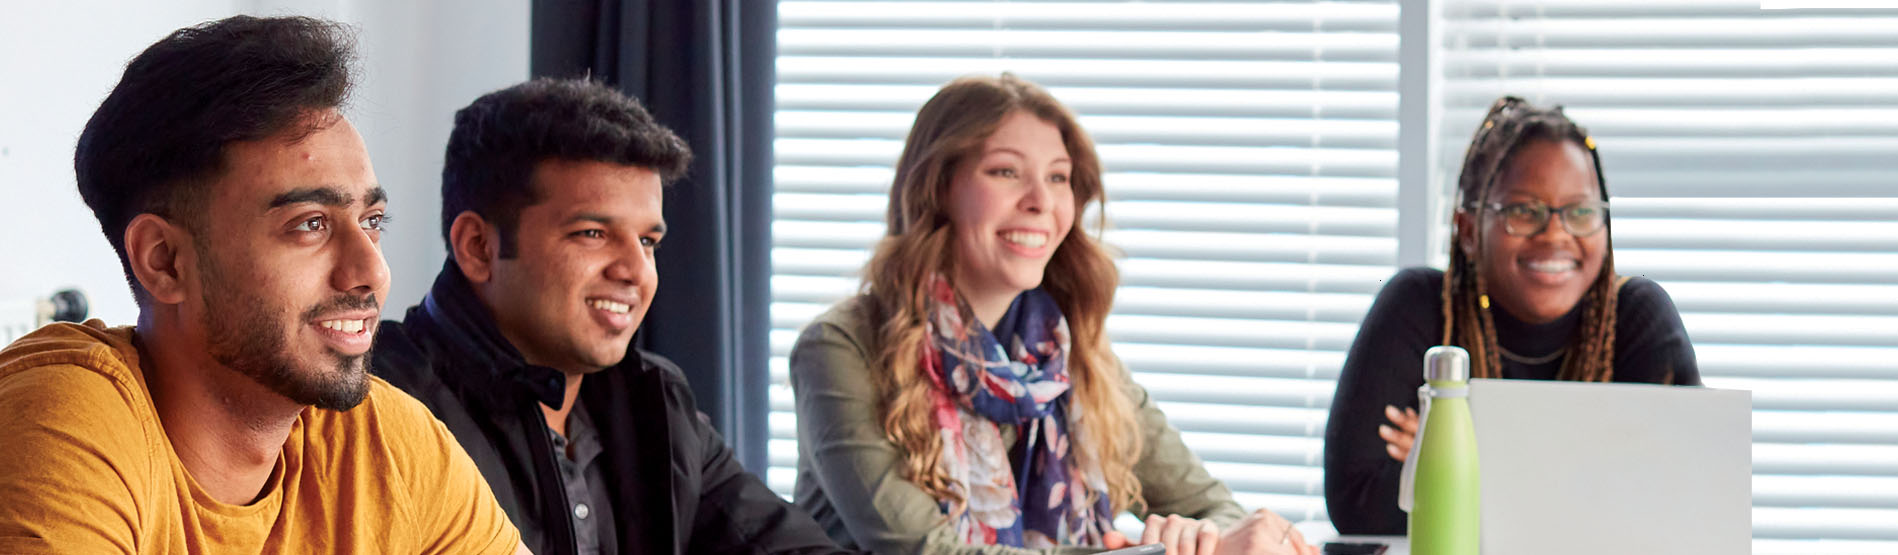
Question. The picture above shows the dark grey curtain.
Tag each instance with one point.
(705, 68)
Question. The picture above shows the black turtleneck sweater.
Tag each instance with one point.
(1385, 367)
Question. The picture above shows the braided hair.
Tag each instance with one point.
(1467, 321)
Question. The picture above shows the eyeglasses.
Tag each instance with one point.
(1528, 218)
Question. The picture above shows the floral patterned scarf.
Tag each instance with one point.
(1033, 493)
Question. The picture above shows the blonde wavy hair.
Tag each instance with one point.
(1081, 278)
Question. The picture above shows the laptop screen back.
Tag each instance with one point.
(1613, 468)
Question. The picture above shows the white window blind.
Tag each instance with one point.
(1250, 154)
(1753, 160)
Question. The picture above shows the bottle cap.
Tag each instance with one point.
(1447, 363)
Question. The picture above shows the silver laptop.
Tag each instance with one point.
(1613, 468)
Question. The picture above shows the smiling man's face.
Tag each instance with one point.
(290, 265)
(583, 273)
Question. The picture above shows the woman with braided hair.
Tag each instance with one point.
(1531, 292)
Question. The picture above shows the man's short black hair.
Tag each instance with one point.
(500, 138)
(158, 140)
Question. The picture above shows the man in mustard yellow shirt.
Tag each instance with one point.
(237, 416)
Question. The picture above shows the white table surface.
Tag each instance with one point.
(1319, 532)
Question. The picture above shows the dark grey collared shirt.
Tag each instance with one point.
(591, 509)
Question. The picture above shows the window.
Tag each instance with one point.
(1753, 160)
(1252, 172)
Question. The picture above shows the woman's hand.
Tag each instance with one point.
(1261, 533)
(1402, 432)
(1181, 535)
(1187, 536)
(1264, 533)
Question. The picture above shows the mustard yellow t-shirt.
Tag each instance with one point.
(85, 467)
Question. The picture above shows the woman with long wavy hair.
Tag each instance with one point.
(1531, 293)
(968, 401)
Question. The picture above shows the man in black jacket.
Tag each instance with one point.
(551, 206)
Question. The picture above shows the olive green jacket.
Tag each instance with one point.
(850, 478)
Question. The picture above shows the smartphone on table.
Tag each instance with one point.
(1350, 548)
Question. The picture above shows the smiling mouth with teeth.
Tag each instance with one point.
(345, 326)
(610, 306)
(1026, 239)
(1553, 266)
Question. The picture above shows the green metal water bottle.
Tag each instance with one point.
(1444, 515)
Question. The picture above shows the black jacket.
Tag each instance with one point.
(674, 483)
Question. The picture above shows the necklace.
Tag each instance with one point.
(1532, 361)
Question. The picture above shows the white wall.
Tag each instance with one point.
(420, 60)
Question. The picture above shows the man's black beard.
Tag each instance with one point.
(247, 337)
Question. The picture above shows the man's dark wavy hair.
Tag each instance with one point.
(157, 142)
(500, 138)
